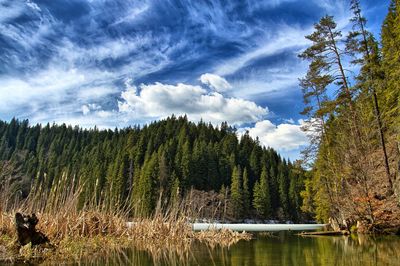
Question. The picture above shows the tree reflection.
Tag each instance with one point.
(281, 249)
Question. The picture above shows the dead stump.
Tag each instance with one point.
(26, 231)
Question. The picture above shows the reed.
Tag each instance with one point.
(223, 237)
(75, 232)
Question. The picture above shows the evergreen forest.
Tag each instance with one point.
(137, 168)
(349, 173)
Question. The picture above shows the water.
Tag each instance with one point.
(279, 249)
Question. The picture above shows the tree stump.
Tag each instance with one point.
(26, 231)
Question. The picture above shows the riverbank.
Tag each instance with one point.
(87, 233)
(81, 235)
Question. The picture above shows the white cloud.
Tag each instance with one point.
(282, 137)
(100, 119)
(276, 82)
(85, 109)
(289, 38)
(104, 114)
(339, 8)
(33, 5)
(160, 100)
(26, 37)
(94, 106)
(290, 121)
(72, 78)
(108, 49)
(10, 10)
(61, 90)
(286, 38)
(133, 13)
(93, 92)
(216, 82)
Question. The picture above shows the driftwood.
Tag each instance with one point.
(26, 231)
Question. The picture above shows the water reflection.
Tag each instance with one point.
(280, 249)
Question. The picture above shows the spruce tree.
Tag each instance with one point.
(236, 198)
(246, 193)
(283, 183)
(116, 170)
(261, 195)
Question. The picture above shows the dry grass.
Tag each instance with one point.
(81, 233)
(87, 233)
(224, 237)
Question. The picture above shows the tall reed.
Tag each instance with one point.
(73, 228)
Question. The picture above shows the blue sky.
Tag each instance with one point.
(118, 63)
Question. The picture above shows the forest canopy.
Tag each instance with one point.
(136, 166)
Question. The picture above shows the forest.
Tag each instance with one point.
(349, 173)
(353, 122)
(136, 168)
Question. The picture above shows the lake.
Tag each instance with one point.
(282, 248)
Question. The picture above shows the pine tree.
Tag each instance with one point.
(296, 176)
(186, 165)
(326, 55)
(360, 41)
(283, 183)
(391, 67)
(163, 173)
(236, 199)
(273, 186)
(146, 187)
(117, 170)
(261, 195)
(246, 193)
(175, 192)
(318, 105)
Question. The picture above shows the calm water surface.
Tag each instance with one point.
(280, 249)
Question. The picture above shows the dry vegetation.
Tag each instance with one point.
(82, 233)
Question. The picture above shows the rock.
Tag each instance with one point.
(26, 231)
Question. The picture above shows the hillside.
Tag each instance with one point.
(354, 117)
(133, 168)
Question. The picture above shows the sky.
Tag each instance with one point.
(121, 62)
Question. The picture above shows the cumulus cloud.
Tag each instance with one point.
(216, 82)
(85, 109)
(282, 137)
(160, 100)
